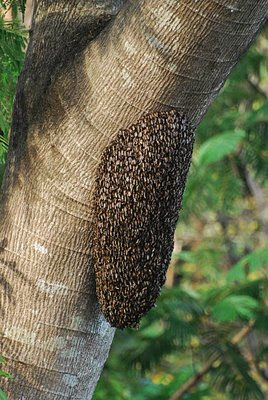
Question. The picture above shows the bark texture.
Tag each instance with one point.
(73, 96)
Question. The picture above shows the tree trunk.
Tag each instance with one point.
(74, 94)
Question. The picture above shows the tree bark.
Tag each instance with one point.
(85, 78)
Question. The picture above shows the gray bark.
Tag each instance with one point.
(73, 95)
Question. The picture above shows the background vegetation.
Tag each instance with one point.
(207, 336)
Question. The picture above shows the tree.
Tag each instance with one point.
(72, 97)
(208, 300)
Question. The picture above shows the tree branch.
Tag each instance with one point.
(258, 193)
(253, 81)
(193, 381)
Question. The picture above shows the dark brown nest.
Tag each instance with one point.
(139, 188)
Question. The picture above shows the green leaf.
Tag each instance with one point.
(152, 331)
(3, 396)
(234, 373)
(223, 312)
(257, 260)
(234, 306)
(3, 148)
(186, 256)
(2, 360)
(219, 146)
(5, 374)
(237, 273)
(184, 373)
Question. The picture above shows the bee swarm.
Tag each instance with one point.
(139, 187)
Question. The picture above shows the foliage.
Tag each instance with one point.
(16, 7)
(187, 328)
(12, 48)
(3, 374)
